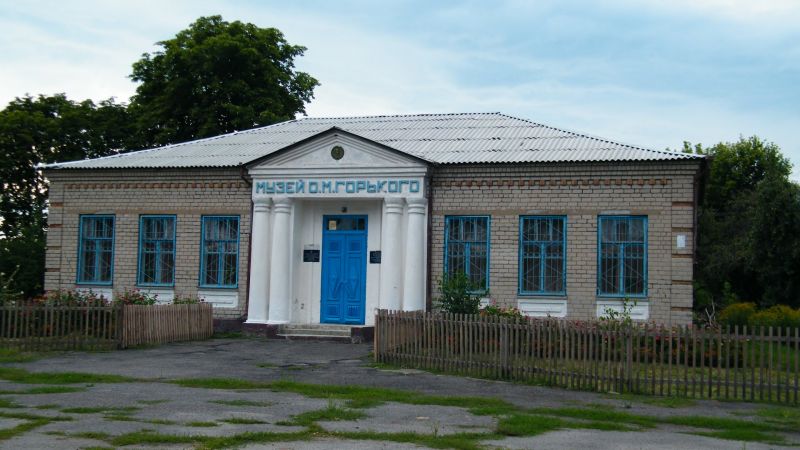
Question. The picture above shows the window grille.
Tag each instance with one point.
(219, 261)
(96, 249)
(542, 255)
(156, 251)
(622, 256)
(467, 248)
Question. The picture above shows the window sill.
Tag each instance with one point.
(543, 307)
(219, 297)
(638, 311)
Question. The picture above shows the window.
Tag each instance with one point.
(96, 249)
(622, 256)
(156, 251)
(467, 248)
(219, 261)
(542, 255)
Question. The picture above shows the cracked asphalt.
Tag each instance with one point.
(171, 409)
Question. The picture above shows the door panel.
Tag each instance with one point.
(344, 266)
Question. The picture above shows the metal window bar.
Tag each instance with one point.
(622, 256)
(220, 252)
(467, 247)
(156, 251)
(96, 249)
(542, 258)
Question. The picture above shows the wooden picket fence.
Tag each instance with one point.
(736, 363)
(159, 324)
(31, 326)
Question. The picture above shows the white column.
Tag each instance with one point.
(414, 273)
(279, 282)
(259, 262)
(390, 253)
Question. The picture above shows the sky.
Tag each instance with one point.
(651, 73)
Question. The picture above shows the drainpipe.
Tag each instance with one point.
(244, 176)
(428, 285)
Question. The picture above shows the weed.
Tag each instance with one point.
(330, 414)
(45, 390)
(5, 403)
(242, 421)
(240, 402)
(201, 424)
(17, 375)
(100, 409)
(152, 402)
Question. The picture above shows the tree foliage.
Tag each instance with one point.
(217, 77)
(212, 78)
(749, 226)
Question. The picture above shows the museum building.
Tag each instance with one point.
(326, 220)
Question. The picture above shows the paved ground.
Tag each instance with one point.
(171, 409)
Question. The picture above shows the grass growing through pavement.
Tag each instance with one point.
(242, 421)
(240, 402)
(12, 355)
(100, 409)
(332, 413)
(201, 424)
(17, 375)
(45, 390)
(32, 421)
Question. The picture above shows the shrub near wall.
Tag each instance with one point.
(742, 314)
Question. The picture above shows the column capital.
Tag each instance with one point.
(262, 204)
(283, 204)
(416, 205)
(393, 205)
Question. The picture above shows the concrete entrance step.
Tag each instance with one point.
(315, 332)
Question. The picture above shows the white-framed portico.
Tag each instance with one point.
(300, 192)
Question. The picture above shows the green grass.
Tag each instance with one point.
(221, 383)
(745, 435)
(330, 414)
(17, 375)
(206, 442)
(97, 435)
(241, 403)
(5, 403)
(12, 355)
(201, 424)
(45, 390)
(100, 409)
(29, 416)
(9, 433)
(242, 421)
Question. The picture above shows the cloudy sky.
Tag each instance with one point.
(653, 73)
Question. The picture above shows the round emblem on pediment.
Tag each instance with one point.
(337, 152)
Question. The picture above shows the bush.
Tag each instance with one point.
(777, 316)
(137, 297)
(67, 297)
(498, 311)
(8, 294)
(458, 295)
(737, 314)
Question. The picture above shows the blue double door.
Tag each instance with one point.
(344, 269)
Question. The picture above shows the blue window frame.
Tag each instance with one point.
(219, 259)
(542, 255)
(622, 256)
(466, 248)
(96, 249)
(156, 251)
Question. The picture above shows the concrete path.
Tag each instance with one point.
(170, 409)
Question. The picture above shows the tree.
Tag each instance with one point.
(217, 77)
(749, 226)
(43, 130)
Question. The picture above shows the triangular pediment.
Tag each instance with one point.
(336, 150)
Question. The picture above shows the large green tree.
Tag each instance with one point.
(749, 226)
(42, 130)
(216, 77)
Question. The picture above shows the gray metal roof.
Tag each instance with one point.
(437, 138)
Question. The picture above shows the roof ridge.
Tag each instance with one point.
(399, 115)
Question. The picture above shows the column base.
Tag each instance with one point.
(260, 329)
(277, 322)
